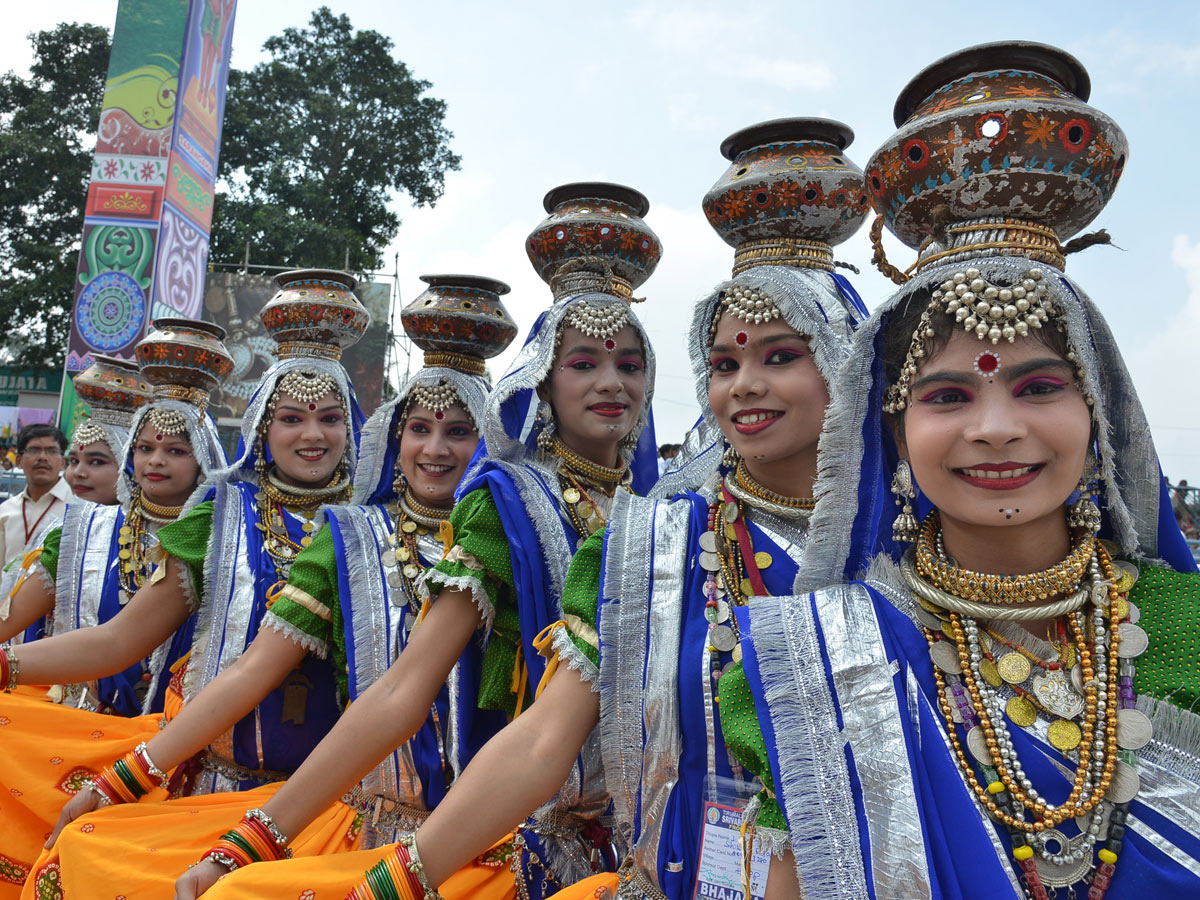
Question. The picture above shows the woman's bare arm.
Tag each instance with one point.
(152, 615)
(33, 600)
(516, 772)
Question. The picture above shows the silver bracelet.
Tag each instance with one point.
(281, 840)
(90, 785)
(14, 666)
(417, 867)
(155, 771)
(220, 858)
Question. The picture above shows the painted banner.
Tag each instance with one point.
(149, 206)
(233, 301)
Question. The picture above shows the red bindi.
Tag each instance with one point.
(158, 437)
(312, 407)
(987, 363)
(610, 345)
(741, 338)
(439, 415)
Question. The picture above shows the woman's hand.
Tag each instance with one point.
(198, 879)
(86, 801)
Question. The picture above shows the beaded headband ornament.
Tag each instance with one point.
(988, 311)
(89, 432)
(437, 398)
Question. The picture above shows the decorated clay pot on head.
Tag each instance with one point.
(997, 134)
(184, 359)
(790, 194)
(599, 226)
(112, 384)
(314, 313)
(459, 321)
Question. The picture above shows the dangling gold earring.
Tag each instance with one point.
(1084, 513)
(545, 416)
(906, 528)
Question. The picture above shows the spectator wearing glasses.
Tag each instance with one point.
(41, 505)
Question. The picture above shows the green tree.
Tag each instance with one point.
(316, 141)
(47, 135)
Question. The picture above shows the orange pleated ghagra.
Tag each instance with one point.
(47, 752)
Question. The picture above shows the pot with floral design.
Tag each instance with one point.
(112, 383)
(790, 193)
(595, 222)
(997, 133)
(314, 313)
(459, 315)
(185, 353)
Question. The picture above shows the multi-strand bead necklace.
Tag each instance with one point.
(274, 497)
(1084, 687)
(727, 553)
(577, 477)
(411, 520)
(137, 552)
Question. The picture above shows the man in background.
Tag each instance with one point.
(26, 515)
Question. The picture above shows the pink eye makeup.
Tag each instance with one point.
(1048, 381)
(942, 395)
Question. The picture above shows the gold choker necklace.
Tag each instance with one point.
(601, 476)
(750, 492)
(429, 516)
(156, 513)
(297, 497)
(1061, 578)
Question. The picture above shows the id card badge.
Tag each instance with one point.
(721, 873)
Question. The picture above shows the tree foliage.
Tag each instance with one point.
(47, 135)
(317, 143)
(317, 139)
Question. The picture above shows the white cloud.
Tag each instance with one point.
(1158, 364)
(788, 74)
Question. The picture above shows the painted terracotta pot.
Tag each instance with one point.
(788, 178)
(598, 220)
(997, 131)
(184, 352)
(460, 314)
(112, 383)
(317, 310)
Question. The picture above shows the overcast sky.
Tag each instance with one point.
(643, 93)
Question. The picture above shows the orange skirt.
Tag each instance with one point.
(138, 850)
(333, 877)
(598, 887)
(48, 751)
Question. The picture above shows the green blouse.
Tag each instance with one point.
(480, 562)
(735, 701)
(1170, 605)
(308, 609)
(51, 545)
(187, 540)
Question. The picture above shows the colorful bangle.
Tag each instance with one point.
(392, 878)
(143, 756)
(10, 665)
(254, 839)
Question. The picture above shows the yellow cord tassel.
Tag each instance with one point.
(543, 644)
(274, 592)
(446, 536)
(29, 559)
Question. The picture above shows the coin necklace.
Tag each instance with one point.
(137, 553)
(401, 560)
(586, 516)
(1112, 728)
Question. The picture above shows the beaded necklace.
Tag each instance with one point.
(575, 476)
(138, 555)
(274, 497)
(402, 560)
(1093, 720)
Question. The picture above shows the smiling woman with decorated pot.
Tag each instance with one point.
(1003, 707)
(114, 390)
(649, 643)
(562, 437)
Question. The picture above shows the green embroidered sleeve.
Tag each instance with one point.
(187, 539)
(307, 605)
(480, 563)
(51, 545)
(744, 737)
(1170, 605)
(580, 647)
